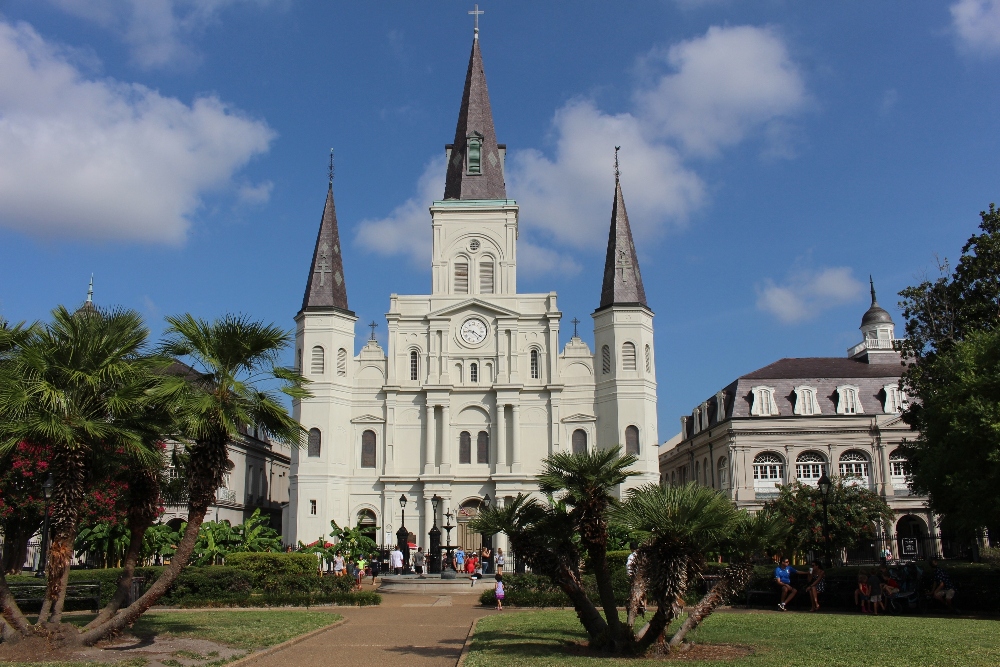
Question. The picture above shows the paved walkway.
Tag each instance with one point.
(410, 629)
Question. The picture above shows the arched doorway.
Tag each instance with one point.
(911, 537)
(368, 525)
(464, 537)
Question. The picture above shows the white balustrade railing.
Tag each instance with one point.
(874, 344)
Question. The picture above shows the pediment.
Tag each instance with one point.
(368, 419)
(579, 417)
(470, 304)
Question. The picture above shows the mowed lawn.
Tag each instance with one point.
(240, 629)
(780, 640)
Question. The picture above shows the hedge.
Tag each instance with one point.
(265, 566)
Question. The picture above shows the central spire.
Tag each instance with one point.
(622, 280)
(475, 160)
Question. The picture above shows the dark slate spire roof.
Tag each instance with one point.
(326, 289)
(475, 119)
(622, 280)
(876, 314)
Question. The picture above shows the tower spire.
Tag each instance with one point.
(325, 288)
(90, 290)
(622, 280)
(475, 160)
(872, 284)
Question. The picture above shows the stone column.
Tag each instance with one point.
(502, 437)
(446, 443)
(516, 426)
(423, 539)
(430, 452)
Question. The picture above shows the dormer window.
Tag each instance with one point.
(805, 401)
(474, 155)
(763, 402)
(894, 402)
(849, 400)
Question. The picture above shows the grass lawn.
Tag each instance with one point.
(542, 638)
(240, 629)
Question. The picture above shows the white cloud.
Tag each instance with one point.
(103, 159)
(534, 260)
(977, 24)
(407, 229)
(806, 293)
(158, 31)
(254, 195)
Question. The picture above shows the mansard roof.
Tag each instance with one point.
(622, 280)
(475, 120)
(806, 368)
(326, 288)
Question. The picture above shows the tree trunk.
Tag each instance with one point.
(137, 532)
(606, 592)
(69, 472)
(60, 555)
(586, 611)
(637, 591)
(734, 578)
(11, 612)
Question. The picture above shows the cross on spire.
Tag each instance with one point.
(373, 326)
(331, 167)
(575, 322)
(617, 170)
(476, 12)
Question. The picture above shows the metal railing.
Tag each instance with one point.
(874, 344)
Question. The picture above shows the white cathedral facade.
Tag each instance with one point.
(473, 391)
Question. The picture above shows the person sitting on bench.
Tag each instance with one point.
(783, 577)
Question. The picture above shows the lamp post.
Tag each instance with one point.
(43, 560)
(402, 535)
(824, 485)
(448, 572)
(434, 553)
(487, 538)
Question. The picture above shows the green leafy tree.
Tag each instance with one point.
(255, 534)
(352, 542)
(854, 514)
(232, 381)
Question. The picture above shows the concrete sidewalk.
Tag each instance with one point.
(410, 629)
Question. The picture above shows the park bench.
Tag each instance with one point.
(78, 591)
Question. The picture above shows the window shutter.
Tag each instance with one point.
(464, 447)
(486, 277)
(649, 360)
(318, 361)
(461, 277)
(628, 357)
(368, 449)
(342, 362)
(606, 359)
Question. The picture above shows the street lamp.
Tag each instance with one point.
(434, 554)
(824, 485)
(42, 561)
(402, 535)
(447, 571)
(487, 539)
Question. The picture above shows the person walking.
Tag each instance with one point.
(498, 592)
(783, 577)
(459, 560)
(487, 555)
(338, 565)
(816, 583)
(418, 563)
(396, 560)
(500, 561)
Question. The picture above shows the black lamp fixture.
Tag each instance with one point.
(824, 485)
(402, 500)
(434, 553)
(487, 500)
(47, 488)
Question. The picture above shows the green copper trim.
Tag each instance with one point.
(472, 203)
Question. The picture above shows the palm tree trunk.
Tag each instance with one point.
(69, 472)
(637, 591)
(60, 555)
(606, 592)
(137, 532)
(586, 611)
(12, 614)
(734, 578)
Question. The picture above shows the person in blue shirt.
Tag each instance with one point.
(783, 577)
(459, 560)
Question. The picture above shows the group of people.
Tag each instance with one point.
(357, 568)
(875, 587)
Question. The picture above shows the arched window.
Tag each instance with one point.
(464, 447)
(473, 372)
(314, 443)
(898, 465)
(534, 365)
(486, 276)
(579, 441)
(318, 361)
(606, 359)
(768, 470)
(628, 356)
(649, 359)
(848, 401)
(414, 367)
(341, 362)
(763, 402)
(697, 472)
(483, 447)
(809, 467)
(854, 465)
(631, 440)
(461, 277)
(722, 472)
(368, 449)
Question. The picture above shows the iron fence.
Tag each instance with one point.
(901, 549)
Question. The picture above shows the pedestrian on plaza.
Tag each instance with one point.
(459, 560)
(783, 578)
(816, 583)
(338, 565)
(362, 563)
(418, 563)
(498, 592)
(396, 560)
(500, 561)
(374, 567)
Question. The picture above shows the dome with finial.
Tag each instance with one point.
(88, 305)
(876, 314)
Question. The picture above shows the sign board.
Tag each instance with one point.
(908, 546)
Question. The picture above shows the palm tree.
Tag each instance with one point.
(676, 524)
(586, 483)
(219, 392)
(80, 385)
(750, 535)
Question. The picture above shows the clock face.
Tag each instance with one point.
(473, 331)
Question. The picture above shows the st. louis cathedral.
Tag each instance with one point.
(473, 391)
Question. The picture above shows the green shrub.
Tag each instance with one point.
(264, 566)
(349, 598)
(211, 583)
(107, 577)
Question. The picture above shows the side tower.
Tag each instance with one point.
(324, 351)
(624, 362)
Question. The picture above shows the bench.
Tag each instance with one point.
(769, 593)
(78, 591)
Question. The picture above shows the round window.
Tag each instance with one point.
(474, 245)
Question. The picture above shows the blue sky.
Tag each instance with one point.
(773, 155)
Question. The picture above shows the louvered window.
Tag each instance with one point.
(314, 442)
(483, 447)
(464, 447)
(413, 365)
(341, 362)
(579, 441)
(631, 440)
(475, 154)
(628, 357)
(461, 278)
(318, 361)
(534, 365)
(649, 360)
(486, 277)
(606, 359)
(368, 449)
